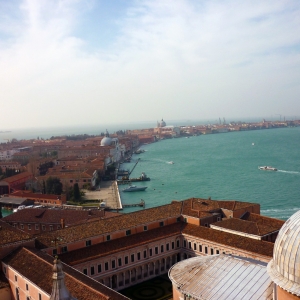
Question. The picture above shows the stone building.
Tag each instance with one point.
(119, 252)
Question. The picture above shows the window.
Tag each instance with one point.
(92, 270)
(43, 227)
(99, 269)
(145, 228)
(161, 224)
(218, 219)
(139, 255)
(108, 237)
(205, 250)
(17, 294)
(184, 243)
(51, 227)
(145, 253)
(37, 226)
(88, 243)
(178, 219)
(177, 244)
(27, 288)
(206, 225)
(85, 271)
(21, 226)
(190, 245)
(173, 245)
(71, 180)
(16, 278)
(200, 248)
(132, 257)
(126, 260)
(29, 226)
(212, 251)
(106, 266)
(113, 264)
(128, 232)
(40, 297)
(185, 220)
(54, 251)
(58, 226)
(195, 246)
(156, 250)
(168, 247)
(217, 251)
(120, 262)
(150, 252)
(161, 248)
(64, 249)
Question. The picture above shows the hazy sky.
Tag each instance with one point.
(72, 62)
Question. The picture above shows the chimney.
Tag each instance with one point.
(62, 223)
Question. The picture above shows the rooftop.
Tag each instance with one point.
(38, 268)
(221, 277)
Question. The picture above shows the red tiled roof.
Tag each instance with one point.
(124, 221)
(193, 206)
(37, 267)
(257, 227)
(9, 234)
(17, 177)
(229, 239)
(108, 248)
(37, 215)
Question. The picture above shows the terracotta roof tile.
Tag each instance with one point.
(37, 216)
(38, 268)
(229, 239)
(258, 226)
(121, 244)
(9, 234)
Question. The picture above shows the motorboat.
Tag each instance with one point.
(171, 162)
(134, 188)
(267, 168)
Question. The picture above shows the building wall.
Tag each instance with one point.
(21, 286)
(126, 268)
(284, 295)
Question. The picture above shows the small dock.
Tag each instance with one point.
(141, 204)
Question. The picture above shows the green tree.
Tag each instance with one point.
(76, 192)
(53, 186)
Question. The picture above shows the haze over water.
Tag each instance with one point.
(223, 167)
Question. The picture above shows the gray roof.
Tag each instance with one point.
(12, 200)
(221, 277)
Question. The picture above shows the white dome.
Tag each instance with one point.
(106, 141)
(284, 268)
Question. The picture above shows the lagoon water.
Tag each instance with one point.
(224, 167)
(221, 166)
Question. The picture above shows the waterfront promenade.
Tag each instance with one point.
(108, 193)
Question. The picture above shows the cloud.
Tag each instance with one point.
(185, 59)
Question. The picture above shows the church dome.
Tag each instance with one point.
(284, 268)
(106, 141)
(162, 123)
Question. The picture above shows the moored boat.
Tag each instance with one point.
(134, 188)
(267, 168)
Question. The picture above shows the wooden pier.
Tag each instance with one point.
(141, 204)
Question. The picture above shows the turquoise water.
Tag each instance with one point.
(223, 167)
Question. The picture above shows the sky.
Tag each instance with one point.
(89, 62)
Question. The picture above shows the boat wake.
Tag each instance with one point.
(289, 172)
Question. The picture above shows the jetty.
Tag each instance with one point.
(141, 204)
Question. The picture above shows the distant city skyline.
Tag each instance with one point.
(75, 63)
